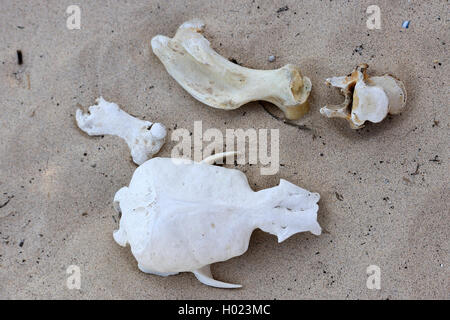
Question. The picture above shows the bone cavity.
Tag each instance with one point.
(219, 83)
(144, 138)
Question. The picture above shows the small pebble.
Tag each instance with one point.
(271, 58)
(405, 24)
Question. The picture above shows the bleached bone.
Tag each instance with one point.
(182, 216)
(366, 98)
(144, 138)
(213, 158)
(219, 83)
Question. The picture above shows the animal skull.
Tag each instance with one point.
(219, 83)
(182, 216)
(366, 98)
(144, 138)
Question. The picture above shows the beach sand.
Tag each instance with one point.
(384, 189)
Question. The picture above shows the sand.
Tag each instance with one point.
(384, 189)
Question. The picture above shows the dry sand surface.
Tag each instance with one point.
(384, 189)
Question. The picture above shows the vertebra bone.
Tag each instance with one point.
(366, 98)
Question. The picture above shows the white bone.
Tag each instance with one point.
(213, 158)
(204, 275)
(366, 98)
(182, 216)
(219, 83)
(144, 138)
